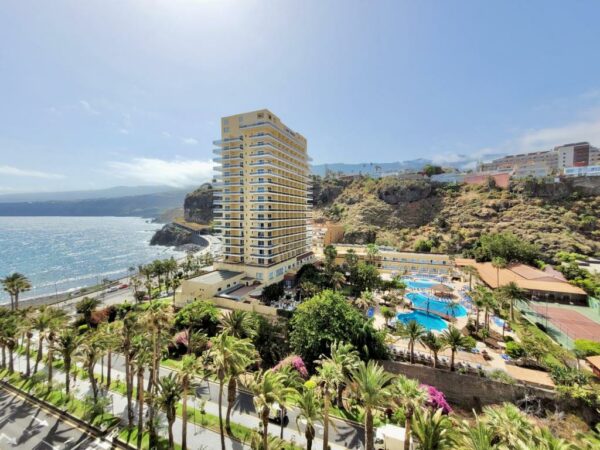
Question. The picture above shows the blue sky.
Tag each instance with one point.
(115, 92)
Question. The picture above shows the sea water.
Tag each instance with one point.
(58, 254)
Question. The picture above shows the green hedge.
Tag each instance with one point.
(586, 347)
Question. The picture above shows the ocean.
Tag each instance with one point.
(58, 254)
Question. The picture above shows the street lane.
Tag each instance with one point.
(25, 426)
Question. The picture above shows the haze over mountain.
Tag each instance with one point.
(112, 192)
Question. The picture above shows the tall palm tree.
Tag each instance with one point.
(291, 379)
(169, 394)
(346, 358)
(228, 357)
(310, 411)
(499, 263)
(512, 292)
(15, 284)
(268, 389)
(473, 273)
(9, 328)
(433, 430)
(126, 331)
(453, 339)
(189, 368)
(90, 350)
(157, 319)
(46, 321)
(372, 386)
(329, 377)
(482, 297)
(408, 394)
(434, 344)
(111, 336)
(26, 329)
(239, 324)
(67, 343)
(413, 331)
(372, 252)
(142, 357)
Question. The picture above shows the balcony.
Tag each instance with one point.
(225, 141)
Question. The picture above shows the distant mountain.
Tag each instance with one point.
(370, 168)
(113, 192)
(147, 205)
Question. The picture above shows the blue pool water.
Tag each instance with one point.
(429, 321)
(419, 283)
(420, 301)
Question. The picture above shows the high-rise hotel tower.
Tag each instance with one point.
(262, 196)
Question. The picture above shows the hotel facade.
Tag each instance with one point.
(262, 204)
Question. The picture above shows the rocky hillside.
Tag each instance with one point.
(197, 206)
(411, 214)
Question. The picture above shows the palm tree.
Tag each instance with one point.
(89, 351)
(364, 301)
(413, 331)
(46, 321)
(291, 379)
(388, 314)
(482, 298)
(228, 357)
(142, 356)
(86, 307)
(433, 430)
(330, 253)
(110, 333)
(67, 343)
(476, 436)
(127, 330)
(189, 368)
(409, 395)
(157, 319)
(268, 389)
(372, 386)
(434, 344)
(14, 284)
(310, 411)
(329, 378)
(9, 328)
(169, 394)
(26, 329)
(453, 339)
(346, 358)
(472, 272)
(337, 280)
(239, 324)
(509, 425)
(499, 263)
(512, 292)
(372, 252)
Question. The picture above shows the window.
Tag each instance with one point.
(225, 129)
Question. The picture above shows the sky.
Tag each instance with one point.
(99, 93)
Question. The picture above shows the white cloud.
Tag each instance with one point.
(189, 141)
(464, 161)
(16, 172)
(546, 138)
(178, 173)
(166, 134)
(88, 107)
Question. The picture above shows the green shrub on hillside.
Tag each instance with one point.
(586, 347)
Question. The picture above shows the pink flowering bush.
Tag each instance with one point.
(296, 362)
(437, 399)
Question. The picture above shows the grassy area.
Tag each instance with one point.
(554, 351)
(171, 363)
(130, 435)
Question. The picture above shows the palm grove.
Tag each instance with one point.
(322, 362)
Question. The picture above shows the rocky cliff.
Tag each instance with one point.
(392, 211)
(197, 206)
(171, 235)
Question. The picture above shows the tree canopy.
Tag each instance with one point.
(505, 245)
(326, 318)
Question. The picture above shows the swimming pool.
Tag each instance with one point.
(435, 305)
(419, 283)
(429, 321)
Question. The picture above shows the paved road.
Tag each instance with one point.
(342, 434)
(25, 426)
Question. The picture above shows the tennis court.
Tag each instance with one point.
(572, 323)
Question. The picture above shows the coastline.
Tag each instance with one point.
(66, 255)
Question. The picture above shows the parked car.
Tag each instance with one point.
(124, 286)
(112, 289)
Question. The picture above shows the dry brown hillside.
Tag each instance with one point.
(391, 211)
